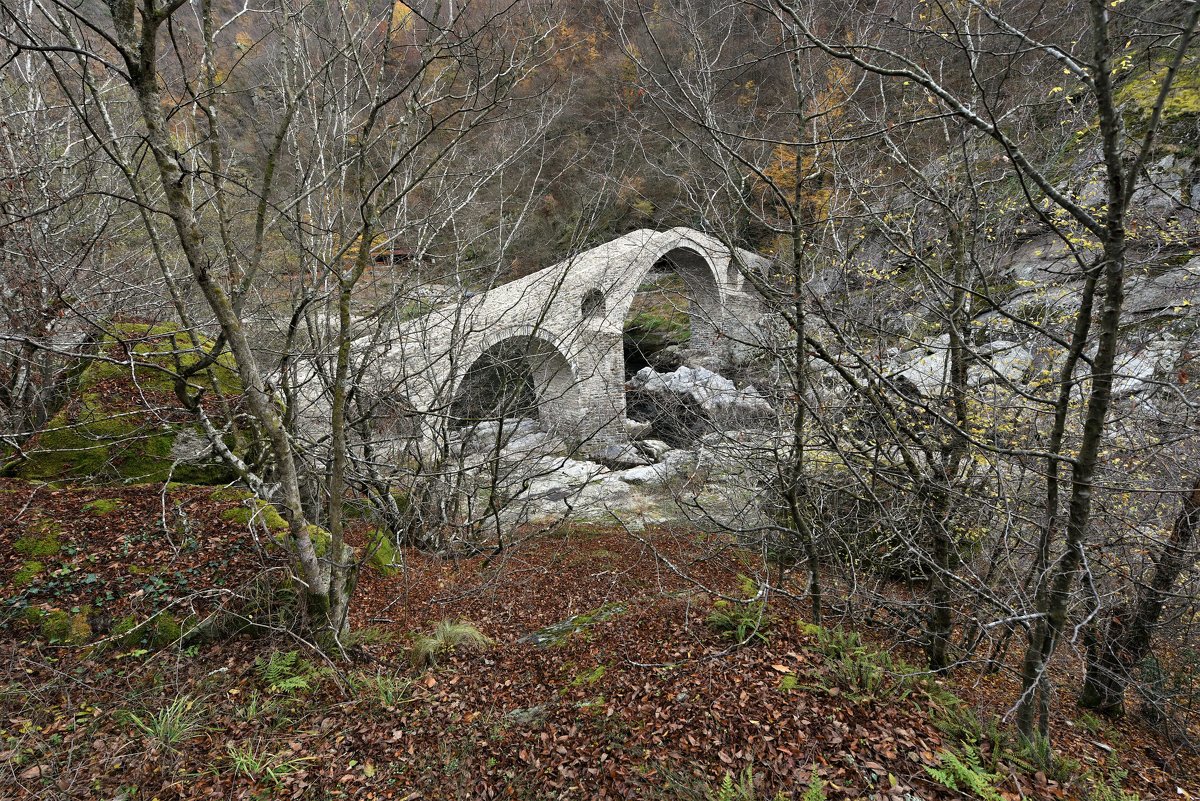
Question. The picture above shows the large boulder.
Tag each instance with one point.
(486, 435)
(123, 422)
(1172, 293)
(690, 401)
(537, 443)
(618, 457)
(583, 491)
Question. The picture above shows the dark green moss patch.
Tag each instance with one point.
(126, 632)
(103, 506)
(28, 572)
(165, 630)
(41, 541)
(61, 627)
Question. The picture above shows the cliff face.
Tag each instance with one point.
(1032, 293)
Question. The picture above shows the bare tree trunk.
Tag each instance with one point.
(1053, 605)
(796, 492)
(139, 48)
(1128, 634)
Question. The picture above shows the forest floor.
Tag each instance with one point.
(605, 676)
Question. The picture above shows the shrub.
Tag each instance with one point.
(866, 674)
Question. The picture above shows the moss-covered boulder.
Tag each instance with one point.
(254, 512)
(1138, 90)
(382, 553)
(61, 627)
(124, 423)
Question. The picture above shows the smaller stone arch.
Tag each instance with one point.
(519, 375)
(593, 303)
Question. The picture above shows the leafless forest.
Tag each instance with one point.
(869, 470)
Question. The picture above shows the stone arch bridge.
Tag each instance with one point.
(566, 324)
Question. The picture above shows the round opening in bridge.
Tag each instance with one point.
(518, 377)
(593, 304)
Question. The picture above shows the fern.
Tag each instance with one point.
(278, 665)
(815, 790)
(285, 672)
(731, 789)
(966, 775)
(1110, 787)
(725, 791)
(740, 623)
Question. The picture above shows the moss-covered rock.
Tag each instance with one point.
(256, 511)
(103, 432)
(165, 630)
(321, 539)
(382, 552)
(557, 633)
(126, 632)
(61, 627)
(230, 494)
(1138, 93)
(160, 631)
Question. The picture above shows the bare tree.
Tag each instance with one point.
(928, 119)
(368, 109)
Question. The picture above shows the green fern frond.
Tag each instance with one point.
(279, 665)
(286, 673)
(815, 790)
(966, 773)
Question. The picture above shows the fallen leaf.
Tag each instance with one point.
(34, 772)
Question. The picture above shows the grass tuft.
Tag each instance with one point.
(449, 636)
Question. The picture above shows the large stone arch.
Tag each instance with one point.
(705, 269)
(576, 310)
